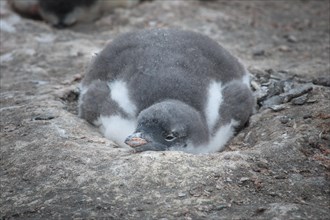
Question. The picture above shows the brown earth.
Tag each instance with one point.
(55, 165)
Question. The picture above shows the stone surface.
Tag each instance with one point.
(56, 166)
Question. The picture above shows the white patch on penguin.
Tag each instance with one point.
(119, 93)
(82, 89)
(217, 142)
(246, 79)
(116, 128)
(213, 104)
(222, 136)
(98, 123)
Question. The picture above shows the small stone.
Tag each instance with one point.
(221, 206)
(307, 116)
(275, 100)
(277, 108)
(218, 187)
(290, 38)
(182, 194)
(288, 85)
(261, 94)
(310, 101)
(275, 88)
(255, 85)
(322, 81)
(284, 48)
(196, 192)
(259, 53)
(284, 119)
(244, 179)
(227, 157)
(228, 180)
(299, 100)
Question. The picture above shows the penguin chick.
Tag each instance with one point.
(167, 89)
(168, 125)
(64, 13)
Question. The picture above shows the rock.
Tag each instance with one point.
(244, 179)
(323, 81)
(275, 88)
(284, 119)
(299, 100)
(290, 38)
(273, 101)
(277, 108)
(258, 53)
(296, 92)
(284, 48)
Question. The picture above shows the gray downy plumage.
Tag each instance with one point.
(64, 13)
(173, 89)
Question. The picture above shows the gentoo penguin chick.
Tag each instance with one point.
(166, 89)
(63, 13)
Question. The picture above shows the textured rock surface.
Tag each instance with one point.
(55, 165)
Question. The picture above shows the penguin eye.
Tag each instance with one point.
(170, 137)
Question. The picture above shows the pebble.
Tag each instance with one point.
(243, 179)
(182, 194)
(307, 116)
(310, 101)
(261, 94)
(284, 48)
(288, 85)
(259, 53)
(273, 101)
(277, 108)
(300, 100)
(322, 81)
(275, 88)
(290, 38)
(284, 119)
(255, 85)
(222, 206)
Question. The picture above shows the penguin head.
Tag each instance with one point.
(63, 13)
(168, 125)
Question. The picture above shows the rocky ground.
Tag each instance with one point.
(55, 165)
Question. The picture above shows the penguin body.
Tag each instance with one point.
(64, 13)
(166, 90)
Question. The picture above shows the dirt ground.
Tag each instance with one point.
(54, 165)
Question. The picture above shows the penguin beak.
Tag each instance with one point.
(136, 140)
